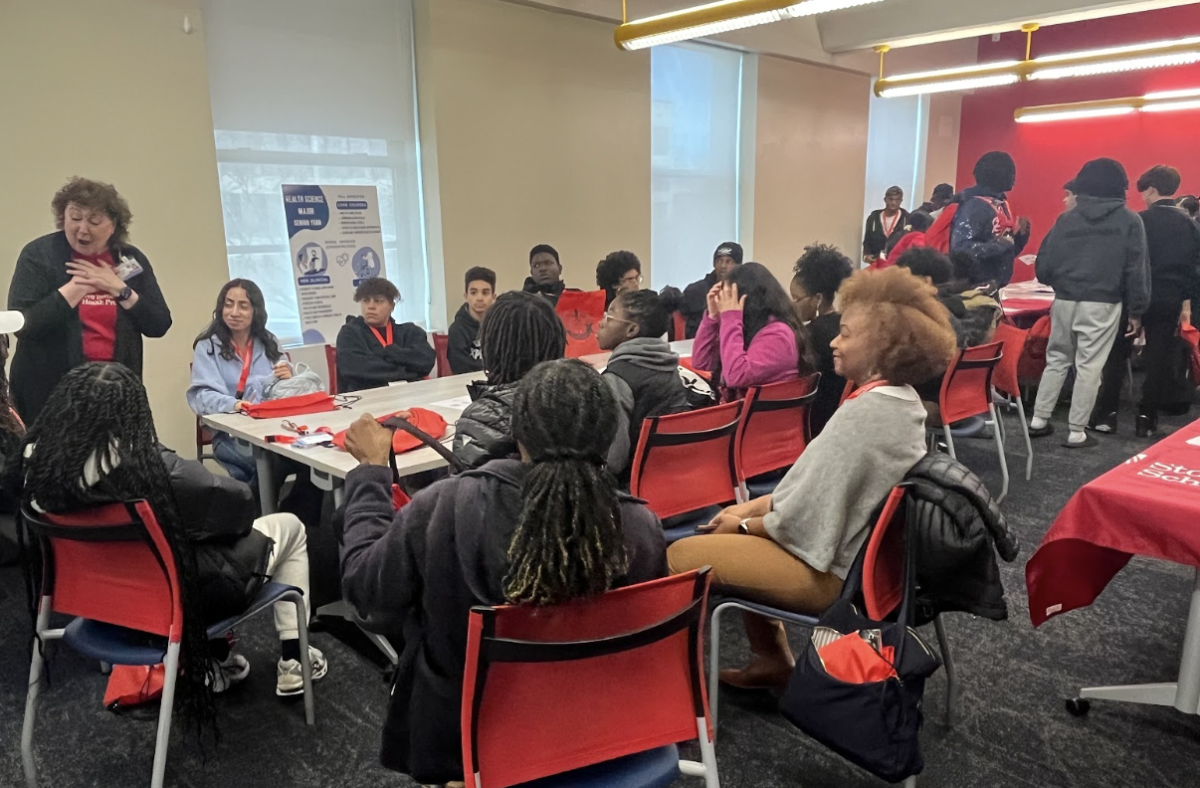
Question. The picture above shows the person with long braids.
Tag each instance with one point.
(519, 331)
(541, 530)
(95, 442)
(234, 360)
(750, 335)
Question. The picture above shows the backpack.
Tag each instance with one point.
(1033, 355)
(938, 236)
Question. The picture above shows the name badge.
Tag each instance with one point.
(128, 269)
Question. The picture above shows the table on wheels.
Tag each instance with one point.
(1148, 506)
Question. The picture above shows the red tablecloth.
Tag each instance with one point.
(1148, 506)
(1027, 307)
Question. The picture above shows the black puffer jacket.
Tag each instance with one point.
(484, 430)
(959, 529)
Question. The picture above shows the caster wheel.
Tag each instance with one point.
(1079, 707)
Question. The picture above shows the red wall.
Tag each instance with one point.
(1050, 154)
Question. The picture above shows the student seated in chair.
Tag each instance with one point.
(373, 350)
(545, 529)
(793, 549)
(463, 351)
(819, 273)
(642, 372)
(95, 443)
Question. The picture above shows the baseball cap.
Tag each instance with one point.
(729, 249)
(11, 322)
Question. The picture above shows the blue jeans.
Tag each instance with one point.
(240, 466)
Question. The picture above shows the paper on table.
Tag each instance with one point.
(457, 403)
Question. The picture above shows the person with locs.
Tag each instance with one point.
(882, 224)
(983, 225)
(695, 297)
(1095, 258)
(1173, 241)
(545, 273)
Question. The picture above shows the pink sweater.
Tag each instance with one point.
(771, 358)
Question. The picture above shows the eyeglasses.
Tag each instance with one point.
(632, 280)
(608, 316)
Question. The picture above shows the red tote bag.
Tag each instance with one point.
(581, 314)
(1191, 335)
(317, 402)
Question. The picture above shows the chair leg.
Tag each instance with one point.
(714, 663)
(36, 666)
(383, 645)
(708, 754)
(1003, 459)
(911, 782)
(1028, 442)
(305, 662)
(170, 675)
(949, 441)
(951, 678)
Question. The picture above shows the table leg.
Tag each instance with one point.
(266, 482)
(1183, 694)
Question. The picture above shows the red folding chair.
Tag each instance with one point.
(598, 692)
(441, 345)
(678, 326)
(773, 432)
(204, 438)
(967, 392)
(1007, 381)
(331, 365)
(684, 463)
(111, 566)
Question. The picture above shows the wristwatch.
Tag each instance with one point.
(743, 527)
(125, 293)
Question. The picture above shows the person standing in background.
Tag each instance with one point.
(1191, 206)
(463, 351)
(882, 223)
(984, 227)
(943, 193)
(1070, 195)
(1173, 242)
(545, 273)
(695, 297)
(1095, 258)
(86, 293)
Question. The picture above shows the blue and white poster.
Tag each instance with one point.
(336, 243)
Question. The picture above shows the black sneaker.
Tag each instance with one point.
(1103, 424)
(1147, 426)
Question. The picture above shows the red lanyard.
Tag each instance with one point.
(883, 222)
(379, 336)
(864, 389)
(246, 355)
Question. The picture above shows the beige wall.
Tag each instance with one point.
(811, 160)
(941, 155)
(134, 112)
(542, 135)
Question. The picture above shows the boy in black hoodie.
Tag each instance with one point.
(545, 273)
(372, 350)
(463, 351)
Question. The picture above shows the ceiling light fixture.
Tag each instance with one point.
(1110, 60)
(1168, 101)
(719, 17)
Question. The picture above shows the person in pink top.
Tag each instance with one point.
(750, 335)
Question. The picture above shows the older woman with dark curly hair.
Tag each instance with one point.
(793, 549)
(617, 273)
(85, 292)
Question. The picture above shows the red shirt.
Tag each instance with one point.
(98, 314)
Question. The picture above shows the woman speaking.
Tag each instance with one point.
(85, 292)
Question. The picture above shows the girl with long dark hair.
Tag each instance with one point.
(95, 443)
(750, 335)
(542, 530)
(234, 360)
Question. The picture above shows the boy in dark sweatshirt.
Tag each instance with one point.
(372, 350)
(463, 351)
(642, 372)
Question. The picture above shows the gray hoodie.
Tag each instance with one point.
(1097, 252)
(653, 355)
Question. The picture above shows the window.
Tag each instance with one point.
(305, 91)
(896, 137)
(696, 119)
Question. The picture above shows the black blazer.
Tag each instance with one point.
(51, 343)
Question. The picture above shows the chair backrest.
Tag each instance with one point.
(685, 461)
(110, 563)
(551, 689)
(1012, 341)
(883, 564)
(678, 326)
(774, 431)
(967, 384)
(331, 364)
(441, 346)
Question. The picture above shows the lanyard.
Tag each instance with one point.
(379, 336)
(246, 355)
(883, 223)
(864, 389)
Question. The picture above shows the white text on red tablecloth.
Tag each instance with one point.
(1173, 474)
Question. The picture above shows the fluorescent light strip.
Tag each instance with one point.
(701, 31)
(813, 7)
(1171, 106)
(1129, 49)
(1075, 114)
(956, 72)
(1132, 64)
(955, 84)
(1173, 94)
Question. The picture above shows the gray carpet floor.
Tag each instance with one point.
(1012, 729)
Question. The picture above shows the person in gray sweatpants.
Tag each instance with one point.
(1096, 260)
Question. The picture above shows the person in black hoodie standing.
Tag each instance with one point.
(542, 530)
(463, 350)
(695, 297)
(545, 273)
(373, 350)
(1173, 241)
(883, 224)
(984, 228)
(1095, 258)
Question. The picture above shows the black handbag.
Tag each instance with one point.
(875, 725)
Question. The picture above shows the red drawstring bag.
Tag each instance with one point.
(133, 685)
(1191, 335)
(1033, 355)
(581, 313)
(427, 421)
(852, 660)
(317, 402)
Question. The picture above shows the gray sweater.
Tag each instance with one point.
(821, 511)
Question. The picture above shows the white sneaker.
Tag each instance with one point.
(233, 669)
(291, 678)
